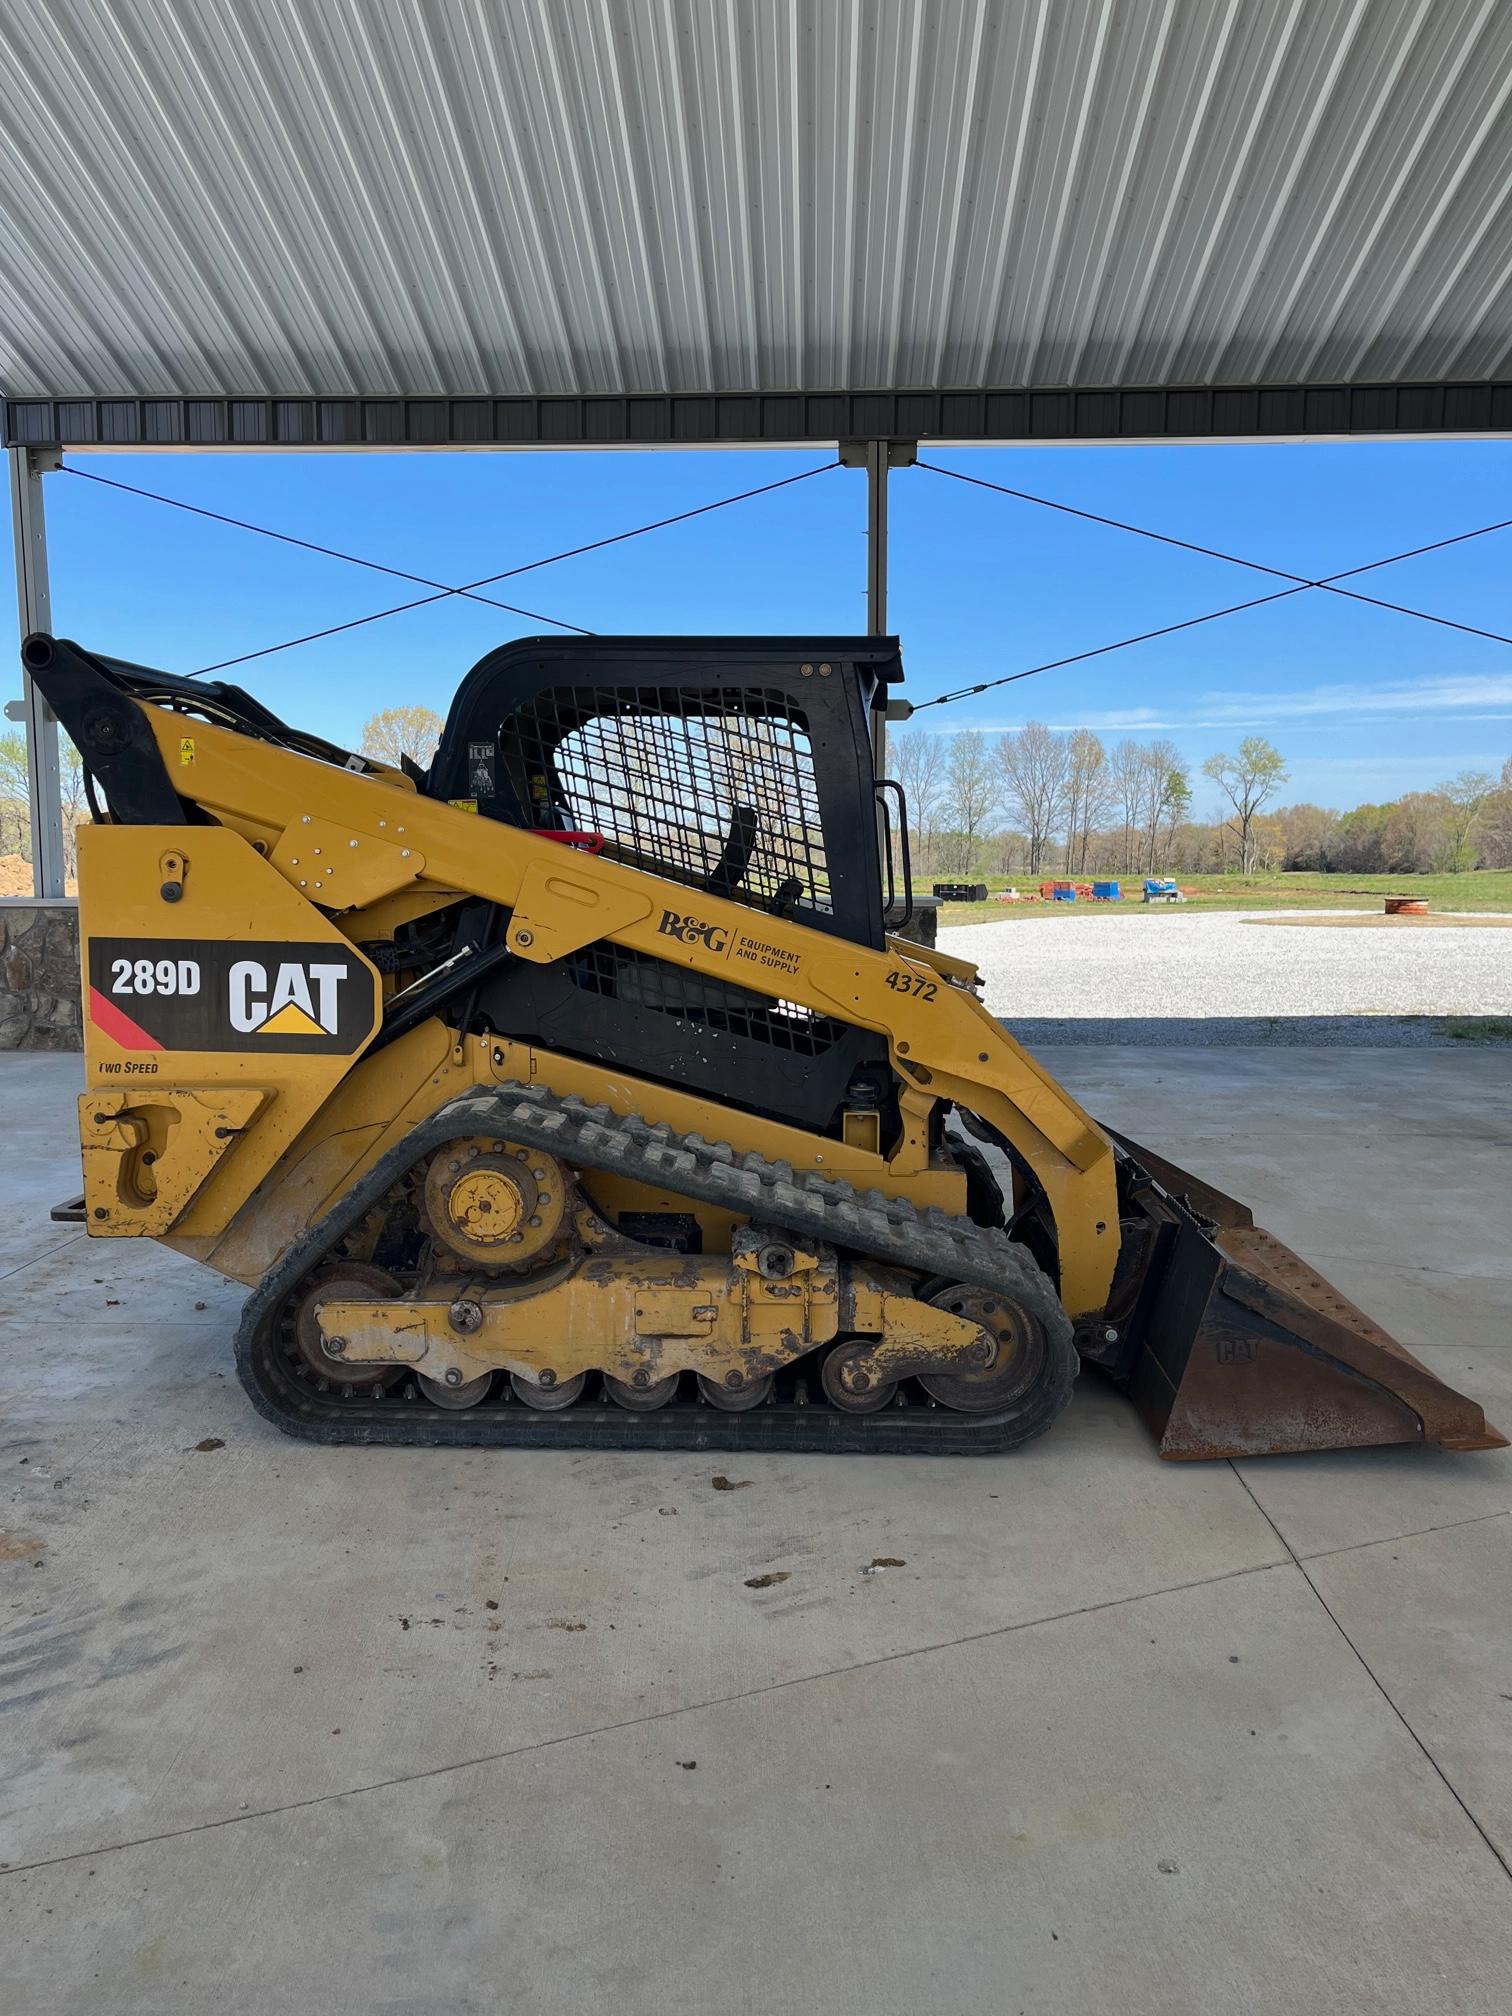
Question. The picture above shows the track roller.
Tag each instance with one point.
(464, 1393)
(849, 1384)
(736, 1399)
(551, 1394)
(643, 1399)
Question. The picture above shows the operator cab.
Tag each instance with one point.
(740, 766)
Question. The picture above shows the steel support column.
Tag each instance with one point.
(34, 612)
(876, 458)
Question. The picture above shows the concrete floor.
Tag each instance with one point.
(1119, 1737)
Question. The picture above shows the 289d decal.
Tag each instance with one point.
(148, 995)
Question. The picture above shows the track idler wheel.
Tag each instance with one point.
(739, 1398)
(1017, 1366)
(343, 1281)
(644, 1398)
(849, 1382)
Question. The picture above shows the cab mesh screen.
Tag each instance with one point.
(715, 789)
(645, 983)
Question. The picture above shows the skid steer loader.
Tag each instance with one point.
(574, 1091)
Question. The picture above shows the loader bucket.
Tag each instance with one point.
(1234, 1346)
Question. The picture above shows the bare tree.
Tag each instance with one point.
(15, 805)
(1496, 823)
(15, 799)
(74, 803)
(1089, 792)
(919, 764)
(969, 791)
(1178, 802)
(1165, 789)
(1309, 831)
(402, 731)
(1247, 780)
(1464, 799)
(1126, 771)
(1035, 768)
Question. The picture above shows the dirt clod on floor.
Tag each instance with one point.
(210, 1442)
(723, 1483)
(767, 1581)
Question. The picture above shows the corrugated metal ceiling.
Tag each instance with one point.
(379, 197)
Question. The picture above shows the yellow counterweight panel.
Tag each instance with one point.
(232, 982)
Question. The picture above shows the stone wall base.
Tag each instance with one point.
(39, 974)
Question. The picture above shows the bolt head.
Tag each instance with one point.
(734, 1381)
(453, 1376)
(546, 1378)
(335, 1346)
(1110, 1335)
(640, 1377)
(859, 1381)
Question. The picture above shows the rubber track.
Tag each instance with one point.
(890, 1229)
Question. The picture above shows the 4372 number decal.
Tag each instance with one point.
(912, 983)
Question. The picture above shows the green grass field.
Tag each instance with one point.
(1481, 889)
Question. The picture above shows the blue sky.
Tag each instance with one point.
(1363, 703)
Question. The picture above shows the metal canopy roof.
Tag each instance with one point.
(379, 220)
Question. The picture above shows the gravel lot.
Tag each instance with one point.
(1217, 976)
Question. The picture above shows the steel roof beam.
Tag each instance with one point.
(765, 419)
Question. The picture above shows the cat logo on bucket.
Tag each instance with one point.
(294, 1000)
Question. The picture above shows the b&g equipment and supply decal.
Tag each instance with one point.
(184, 994)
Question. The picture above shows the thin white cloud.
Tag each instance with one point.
(1468, 697)
(1395, 696)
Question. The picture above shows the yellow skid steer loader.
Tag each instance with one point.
(579, 1091)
